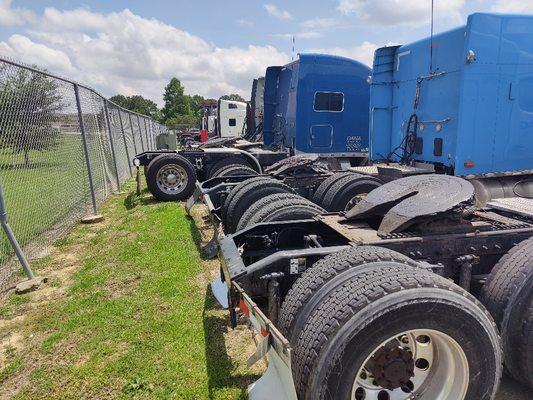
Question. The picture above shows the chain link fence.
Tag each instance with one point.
(64, 149)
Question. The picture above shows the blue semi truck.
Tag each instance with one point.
(315, 106)
(467, 110)
(318, 105)
(422, 288)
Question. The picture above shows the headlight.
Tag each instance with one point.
(136, 162)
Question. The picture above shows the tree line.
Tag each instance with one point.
(179, 108)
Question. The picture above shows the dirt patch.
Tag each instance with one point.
(122, 287)
(58, 267)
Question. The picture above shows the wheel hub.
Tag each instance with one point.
(392, 368)
(421, 363)
(172, 179)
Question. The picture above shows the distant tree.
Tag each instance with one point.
(176, 102)
(233, 97)
(180, 120)
(137, 104)
(196, 102)
(121, 100)
(29, 106)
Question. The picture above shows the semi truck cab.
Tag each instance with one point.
(318, 105)
(467, 110)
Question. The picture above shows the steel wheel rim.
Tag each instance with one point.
(172, 179)
(354, 200)
(443, 373)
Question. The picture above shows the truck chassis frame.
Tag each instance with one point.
(281, 251)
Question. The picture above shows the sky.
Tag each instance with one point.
(213, 47)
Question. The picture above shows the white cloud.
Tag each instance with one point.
(363, 53)
(277, 12)
(246, 23)
(401, 12)
(13, 16)
(321, 23)
(20, 47)
(513, 6)
(313, 28)
(124, 53)
(298, 35)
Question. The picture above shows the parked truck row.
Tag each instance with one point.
(316, 105)
(407, 277)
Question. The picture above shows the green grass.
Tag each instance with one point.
(136, 322)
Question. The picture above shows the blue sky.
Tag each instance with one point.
(214, 47)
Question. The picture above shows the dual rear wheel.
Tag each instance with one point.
(263, 199)
(342, 190)
(508, 295)
(369, 323)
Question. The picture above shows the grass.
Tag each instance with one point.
(52, 188)
(132, 317)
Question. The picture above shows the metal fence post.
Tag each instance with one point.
(133, 134)
(150, 147)
(108, 120)
(11, 237)
(125, 142)
(154, 144)
(151, 126)
(140, 132)
(85, 147)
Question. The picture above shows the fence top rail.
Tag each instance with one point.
(51, 75)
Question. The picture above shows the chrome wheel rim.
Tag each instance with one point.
(172, 179)
(420, 364)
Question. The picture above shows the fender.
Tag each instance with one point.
(244, 153)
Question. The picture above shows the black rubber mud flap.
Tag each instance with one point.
(211, 248)
(405, 201)
(138, 182)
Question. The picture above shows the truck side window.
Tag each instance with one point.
(232, 122)
(232, 106)
(329, 101)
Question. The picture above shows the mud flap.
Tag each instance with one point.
(211, 248)
(275, 383)
(138, 179)
(220, 291)
(191, 201)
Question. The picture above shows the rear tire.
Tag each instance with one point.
(235, 170)
(342, 195)
(249, 195)
(287, 209)
(304, 295)
(235, 191)
(170, 177)
(508, 295)
(232, 160)
(326, 184)
(261, 204)
(402, 317)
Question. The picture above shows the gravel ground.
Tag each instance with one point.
(512, 390)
